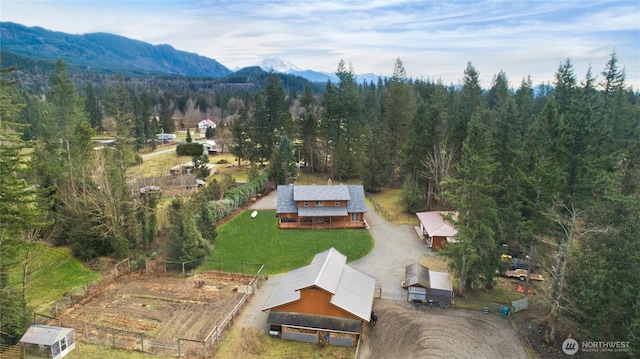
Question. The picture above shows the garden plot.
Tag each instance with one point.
(161, 308)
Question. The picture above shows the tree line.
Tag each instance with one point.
(554, 173)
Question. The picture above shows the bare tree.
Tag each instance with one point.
(192, 114)
(568, 218)
(437, 167)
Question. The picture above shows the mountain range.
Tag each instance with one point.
(110, 53)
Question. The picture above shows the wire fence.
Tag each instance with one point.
(139, 341)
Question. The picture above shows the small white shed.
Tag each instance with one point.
(43, 341)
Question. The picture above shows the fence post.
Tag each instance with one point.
(113, 338)
(142, 342)
(179, 347)
(183, 269)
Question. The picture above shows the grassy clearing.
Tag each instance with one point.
(251, 343)
(157, 165)
(246, 239)
(391, 208)
(53, 272)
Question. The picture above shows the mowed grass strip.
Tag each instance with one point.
(258, 240)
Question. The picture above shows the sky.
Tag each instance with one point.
(434, 39)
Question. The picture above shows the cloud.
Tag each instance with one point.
(435, 39)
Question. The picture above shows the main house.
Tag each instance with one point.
(326, 301)
(321, 206)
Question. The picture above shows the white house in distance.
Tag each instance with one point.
(204, 124)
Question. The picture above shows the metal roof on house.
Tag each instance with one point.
(286, 204)
(44, 334)
(321, 193)
(416, 275)
(436, 225)
(357, 202)
(289, 194)
(352, 290)
(322, 211)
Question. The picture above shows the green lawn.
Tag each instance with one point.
(246, 239)
(53, 272)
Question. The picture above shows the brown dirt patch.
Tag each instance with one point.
(163, 308)
(405, 330)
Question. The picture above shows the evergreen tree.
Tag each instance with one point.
(282, 165)
(166, 120)
(241, 128)
(272, 118)
(200, 166)
(185, 241)
(92, 107)
(475, 258)
(400, 107)
(309, 129)
(466, 102)
(206, 224)
(20, 210)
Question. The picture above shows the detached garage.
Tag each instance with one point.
(325, 301)
(425, 286)
(436, 229)
(43, 341)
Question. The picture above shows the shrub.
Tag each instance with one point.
(190, 149)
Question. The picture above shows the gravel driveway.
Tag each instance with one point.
(395, 247)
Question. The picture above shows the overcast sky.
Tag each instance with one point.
(434, 39)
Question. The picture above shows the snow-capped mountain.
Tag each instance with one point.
(277, 64)
(280, 65)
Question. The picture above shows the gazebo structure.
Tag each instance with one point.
(43, 341)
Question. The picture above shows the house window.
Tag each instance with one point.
(319, 219)
(355, 217)
(319, 203)
(63, 344)
(336, 203)
(306, 203)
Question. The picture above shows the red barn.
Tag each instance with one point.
(325, 301)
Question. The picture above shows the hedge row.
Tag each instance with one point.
(238, 196)
(243, 194)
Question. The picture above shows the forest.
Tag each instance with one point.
(554, 172)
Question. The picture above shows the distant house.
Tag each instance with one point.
(320, 207)
(43, 341)
(435, 229)
(325, 301)
(204, 124)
